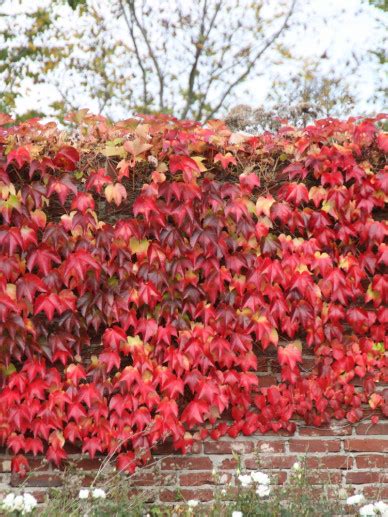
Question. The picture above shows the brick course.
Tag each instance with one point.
(353, 456)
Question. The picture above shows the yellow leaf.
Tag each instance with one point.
(142, 131)
(136, 147)
(114, 148)
(263, 205)
(138, 247)
(198, 160)
(115, 193)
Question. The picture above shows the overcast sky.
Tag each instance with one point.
(339, 29)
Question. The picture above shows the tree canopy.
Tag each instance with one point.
(191, 59)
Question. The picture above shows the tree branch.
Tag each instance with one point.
(131, 4)
(200, 45)
(137, 53)
(251, 64)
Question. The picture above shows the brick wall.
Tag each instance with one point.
(348, 455)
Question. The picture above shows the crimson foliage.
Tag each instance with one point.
(131, 316)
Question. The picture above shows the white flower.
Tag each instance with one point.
(381, 507)
(367, 510)
(263, 490)
(98, 493)
(18, 504)
(83, 493)
(355, 499)
(223, 491)
(8, 502)
(237, 514)
(29, 503)
(296, 466)
(192, 503)
(245, 479)
(260, 477)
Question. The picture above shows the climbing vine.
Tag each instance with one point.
(148, 266)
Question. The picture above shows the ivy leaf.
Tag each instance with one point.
(116, 193)
(182, 163)
(225, 159)
(66, 158)
(290, 355)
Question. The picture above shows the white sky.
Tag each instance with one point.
(350, 30)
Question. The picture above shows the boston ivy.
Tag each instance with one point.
(146, 266)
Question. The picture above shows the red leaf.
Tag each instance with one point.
(75, 372)
(21, 155)
(92, 445)
(82, 202)
(225, 160)
(183, 163)
(295, 193)
(56, 455)
(290, 355)
(194, 412)
(66, 158)
(98, 180)
(126, 462)
(20, 465)
(111, 359)
(113, 337)
(382, 142)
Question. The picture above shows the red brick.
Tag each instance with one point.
(282, 432)
(361, 478)
(38, 463)
(168, 448)
(262, 364)
(229, 464)
(324, 477)
(369, 428)
(147, 495)
(223, 447)
(366, 445)
(376, 492)
(334, 461)
(72, 449)
(164, 448)
(279, 477)
(315, 445)
(187, 463)
(365, 461)
(89, 463)
(340, 430)
(267, 380)
(172, 496)
(153, 479)
(271, 462)
(88, 479)
(204, 478)
(308, 362)
(37, 480)
(274, 366)
(269, 447)
(40, 496)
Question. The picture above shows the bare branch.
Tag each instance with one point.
(131, 4)
(137, 53)
(200, 45)
(252, 62)
(214, 75)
